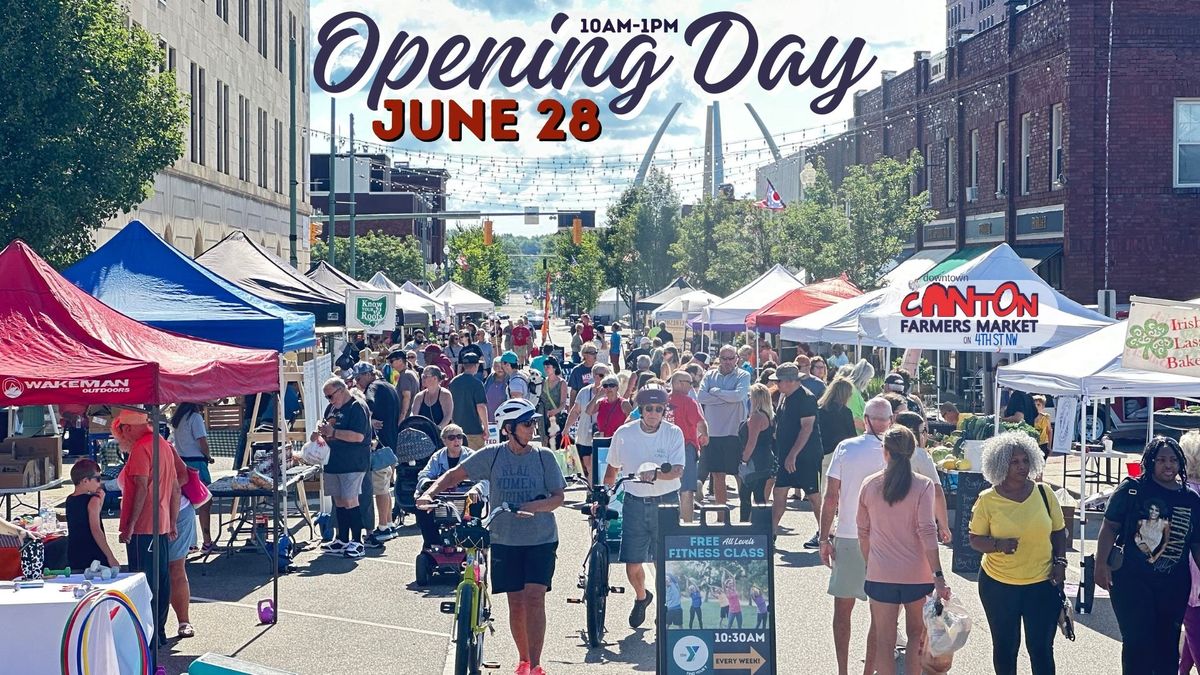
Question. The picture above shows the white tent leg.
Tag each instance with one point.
(1083, 403)
(937, 377)
(1150, 420)
(996, 400)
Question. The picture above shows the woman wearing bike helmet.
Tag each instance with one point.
(523, 549)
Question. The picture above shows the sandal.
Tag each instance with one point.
(186, 630)
(208, 547)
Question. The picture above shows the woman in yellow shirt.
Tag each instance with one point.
(1018, 526)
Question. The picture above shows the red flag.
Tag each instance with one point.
(546, 312)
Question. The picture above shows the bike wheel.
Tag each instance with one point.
(596, 594)
(465, 638)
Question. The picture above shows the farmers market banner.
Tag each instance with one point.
(1163, 336)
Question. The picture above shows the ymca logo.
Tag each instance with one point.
(370, 311)
(691, 654)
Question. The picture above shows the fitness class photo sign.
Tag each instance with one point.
(572, 63)
(717, 604)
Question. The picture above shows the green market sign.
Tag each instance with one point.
(371, 311)
(1162, 336)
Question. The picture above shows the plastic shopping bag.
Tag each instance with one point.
(947, 625)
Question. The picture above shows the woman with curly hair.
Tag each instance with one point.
(1018, 526)
(1150, 527)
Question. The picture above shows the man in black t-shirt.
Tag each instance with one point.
(384, 403)
(798, 446)
(346, 426)
(664, 334)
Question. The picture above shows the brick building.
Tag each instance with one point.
(964, 17)
(382, 187)
(1022, 145)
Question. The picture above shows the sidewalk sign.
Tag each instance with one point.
(700, 562)
(966, 559)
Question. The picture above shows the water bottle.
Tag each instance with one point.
(49, 520)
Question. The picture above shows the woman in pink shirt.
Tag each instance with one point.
(898, 536)
(735, 601)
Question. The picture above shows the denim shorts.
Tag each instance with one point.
(639, 526)
(691, 468)
(185, 524)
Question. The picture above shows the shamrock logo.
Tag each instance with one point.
(1150, 337)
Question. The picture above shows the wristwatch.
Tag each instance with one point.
(939, 575)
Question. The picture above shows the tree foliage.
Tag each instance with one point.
(400, 258)
(485, 270)
(87, 121)
(636, 253)
(578, 277)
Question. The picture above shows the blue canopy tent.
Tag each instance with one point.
(147, 279)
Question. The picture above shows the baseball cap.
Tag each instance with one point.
(702, 357)
(786, 372)
(509, 358)
(894, 382)
(397, 353)
(128, 416)
(468, 358)
(362, 368)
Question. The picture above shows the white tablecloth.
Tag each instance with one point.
(33, 619)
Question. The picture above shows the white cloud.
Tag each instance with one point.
(507, 178)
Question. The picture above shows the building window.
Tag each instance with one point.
(244, 138)
(193, 114)
(279, 156)
(1026, 130)
(202, 133)
(262, 28)
(222, 127)
(928, 174)
(244, 19)
(303, 62)
(914, 184)
(1057, 178)
(1001, 159)
(222, 9)
(171, 59)
(951, 170)
(975, 159)
(262, 148)
(1187, 143)
(279, 35)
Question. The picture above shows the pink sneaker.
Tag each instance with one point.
(522, 668)
(538, 671)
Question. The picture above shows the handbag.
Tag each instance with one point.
(1116, 554)
(194, 489)
(383, 458)
(1066, 613)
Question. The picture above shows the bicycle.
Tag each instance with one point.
(593, 575)
(471, 606)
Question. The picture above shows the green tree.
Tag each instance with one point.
(578, 277)
(87, 120)
(723, 244)
(636, 253)
(400, 258)
(484, 269)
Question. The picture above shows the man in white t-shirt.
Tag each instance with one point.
(648, 440)
(853, 460)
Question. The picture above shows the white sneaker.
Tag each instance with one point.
(335, 546)
(354, 550)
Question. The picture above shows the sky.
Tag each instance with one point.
(507, 176)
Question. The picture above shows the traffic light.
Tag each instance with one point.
(577, 231)
(487, 233)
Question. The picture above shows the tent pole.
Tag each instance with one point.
(1083, 403)
(280, 491)
(996, 398)
(157, 542)
(1150, 420)
(937, 377)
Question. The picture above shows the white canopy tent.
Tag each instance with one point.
(695, 302)
(462, 300)
(837, 323)
(915, 265)
(381, 280)
(610, 304)
(731, 312)
(994, 303)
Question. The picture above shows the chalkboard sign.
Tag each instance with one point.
(966, 559)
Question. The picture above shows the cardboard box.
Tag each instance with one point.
(21, 473)
(47, 447)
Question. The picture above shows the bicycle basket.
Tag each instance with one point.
(471, 535)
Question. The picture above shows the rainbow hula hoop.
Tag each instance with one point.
(79, 623)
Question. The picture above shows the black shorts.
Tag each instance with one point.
(723, 454)
(584, 451)
(675, 616)
(515, 566)
(807, 475)
(896, 594)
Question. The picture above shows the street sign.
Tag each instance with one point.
(715, 595)
(531, 215)
(373, 311)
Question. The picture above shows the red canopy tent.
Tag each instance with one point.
(59, 345)
(799, 302)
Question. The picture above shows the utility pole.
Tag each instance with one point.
(353, 256)
(331, 232)
(292, 150)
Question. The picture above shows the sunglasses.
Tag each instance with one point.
(328, 397)
(528, 424)
(455, 437)
(654, 409)
(609, 386)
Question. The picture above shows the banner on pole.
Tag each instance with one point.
(373, 311)
(1162, 336)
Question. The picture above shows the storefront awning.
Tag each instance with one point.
(915, 265)
(1038, 254)
(956, 260)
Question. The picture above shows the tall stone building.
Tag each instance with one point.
(230, 58)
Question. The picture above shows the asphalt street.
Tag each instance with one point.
(368, 616)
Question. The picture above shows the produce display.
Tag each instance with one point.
(947, 451)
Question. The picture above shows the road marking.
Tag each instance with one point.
(328, 618)
(390, 562)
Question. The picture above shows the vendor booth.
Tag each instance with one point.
(610, 306)
(800, 302)
(684, 307)
(424, 308)
(238, 259)
(59, 345)
(461, 300)
(145, 278)
(673, 290)
(730, 313)
(413, 310)
(334, 279)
